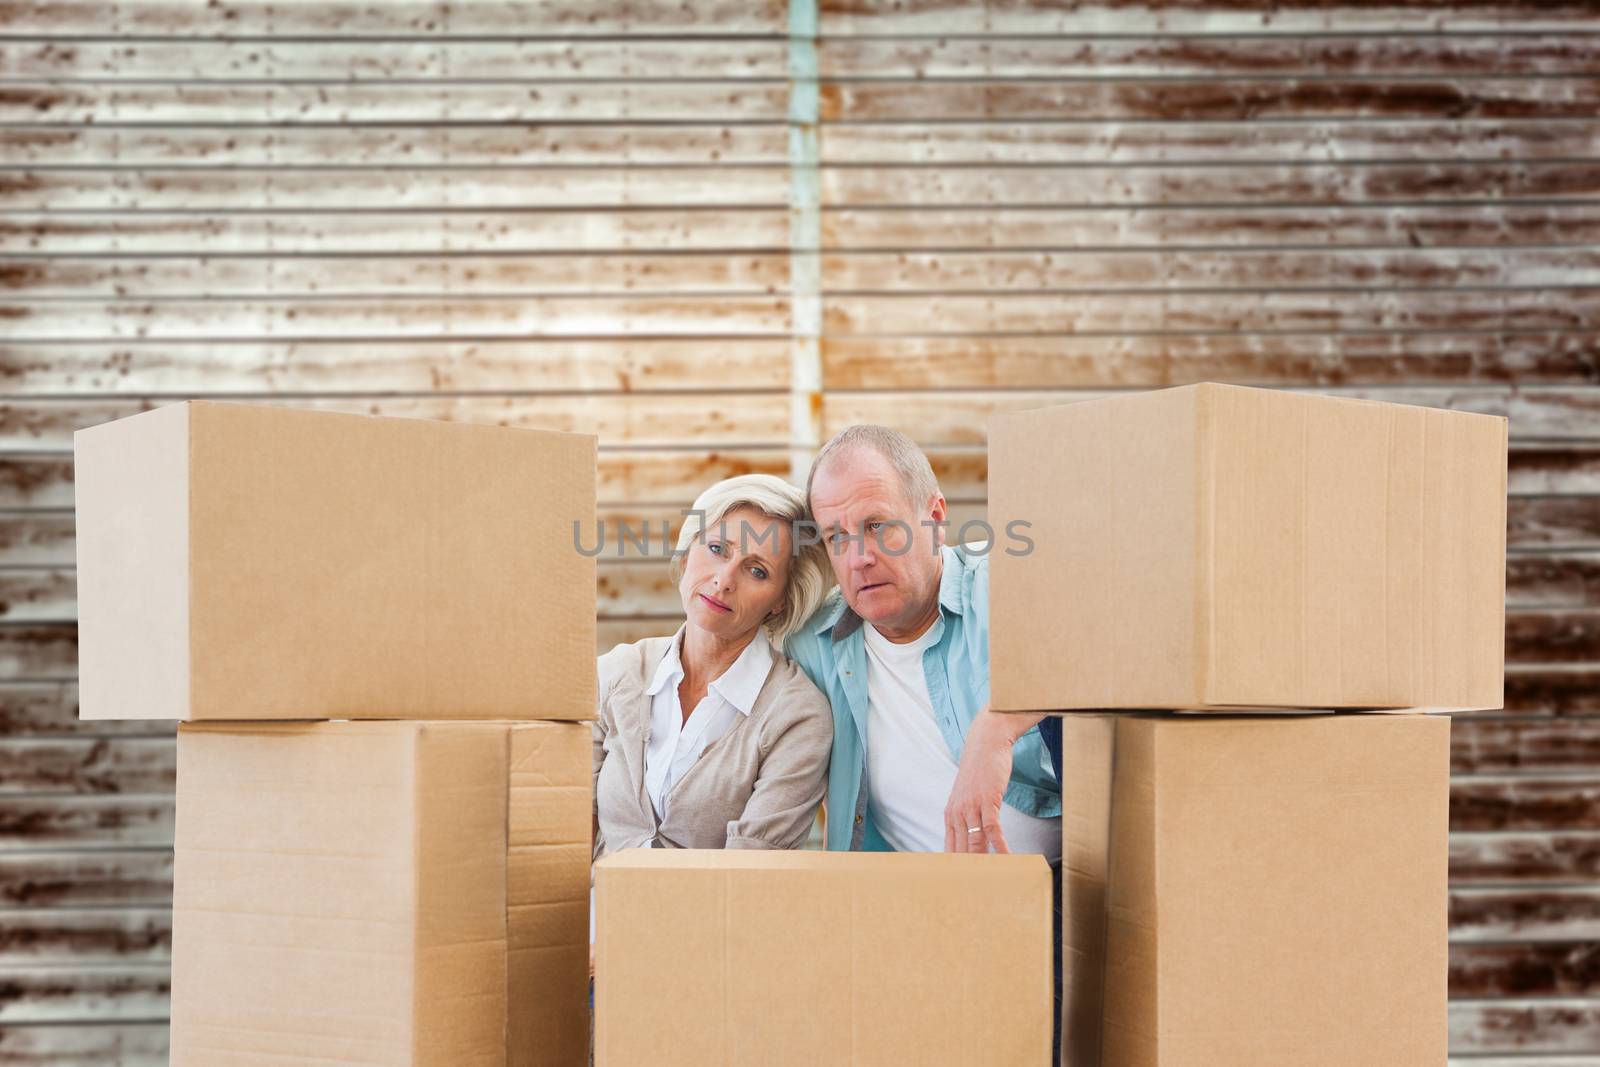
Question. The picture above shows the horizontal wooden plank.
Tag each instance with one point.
(1524, 745)
(1168, 57)
(639, 418)
(1212, 99)
(1260, 224)
(39, 652)
(97, 878)
(476, 318)
(1310, 184)
(37, 594)
(124, 992)
(1147, 143)
(1543, 858)
(465, 274)
(1067, 361)
(1525, 1027)
(722, 315)
(1500, 915)
(1559, 969)
(60, 822)
(1125, 312)
(420, 230)
(416, 231)
(508, 144)
(136, 765)
(50, 710)
(513, 60)
(1568, 580)
(1552, 522)
(358, 19)
(355, 103)
(1535, 692)
(39, 937)
(350, 188)
(1522, 804)
(34, 539)
(944, 418)
(1032, 18)
(85, 1044)
(197, 368)
(1553, 637)
(194, 367)
(969, 272)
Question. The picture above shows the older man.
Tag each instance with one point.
(901, 649)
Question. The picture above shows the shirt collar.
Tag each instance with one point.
(739, 685)
(843, 621)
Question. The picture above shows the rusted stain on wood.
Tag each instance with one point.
(97, 766)
(65, 822)
(1503, 915)
(1530, 858)
(1522, 804)
(93, 879)
(1204, 101)
(45, 937)
(893, 18)
(1553, 637)
(1555, 970)
(1043, 57)
(1487, 746)
(1259, 225)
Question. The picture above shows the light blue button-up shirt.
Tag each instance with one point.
(831, 649)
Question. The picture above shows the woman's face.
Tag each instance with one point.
(736, 572)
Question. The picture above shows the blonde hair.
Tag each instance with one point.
(809, 572)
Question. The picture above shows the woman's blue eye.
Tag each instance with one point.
(759, 572)
(714, 546)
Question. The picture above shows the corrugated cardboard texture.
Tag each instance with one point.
(1256, 891)
(821, 958)
(337, 566)
(353, 892)
(1221, 548)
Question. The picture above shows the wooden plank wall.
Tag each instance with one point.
(713, 233)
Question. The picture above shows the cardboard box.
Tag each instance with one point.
(238, 561)
(810, 958)
(1213, 547)
(398, 893)
(1255, 891)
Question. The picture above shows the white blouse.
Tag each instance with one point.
(675, 744)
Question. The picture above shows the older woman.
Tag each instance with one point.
(711, 738)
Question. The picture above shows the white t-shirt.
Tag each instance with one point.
(910, 771)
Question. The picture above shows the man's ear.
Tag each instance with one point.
(939, 513)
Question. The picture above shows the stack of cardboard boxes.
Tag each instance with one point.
(374, 630)
(407, 890)
(1263, 883)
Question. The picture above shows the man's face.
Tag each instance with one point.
(890, 576)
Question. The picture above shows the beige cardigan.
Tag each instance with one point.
(757, 786)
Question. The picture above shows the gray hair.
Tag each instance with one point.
(907, 460)
(810, 575)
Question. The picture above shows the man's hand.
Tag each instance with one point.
(972, 815)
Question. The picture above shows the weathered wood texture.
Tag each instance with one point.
(585, 216)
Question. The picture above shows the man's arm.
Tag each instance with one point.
(972, 815)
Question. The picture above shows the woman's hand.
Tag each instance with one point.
(972, 815)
